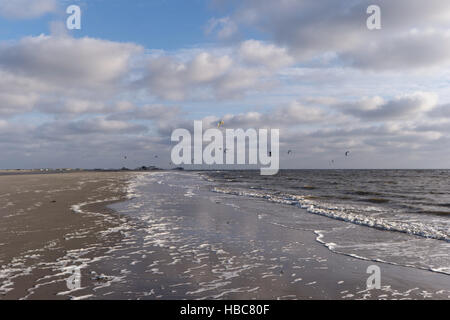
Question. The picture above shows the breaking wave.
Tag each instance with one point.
(412, 228)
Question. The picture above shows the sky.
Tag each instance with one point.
(137, 70)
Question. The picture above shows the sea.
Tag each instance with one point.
(400, 217)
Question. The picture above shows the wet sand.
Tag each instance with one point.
(185, 242)
(41, 233)
(175, 241)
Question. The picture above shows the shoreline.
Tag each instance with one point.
(210, 248)
(174, 240)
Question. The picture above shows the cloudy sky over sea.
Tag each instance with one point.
(139, 69)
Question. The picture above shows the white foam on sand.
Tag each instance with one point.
(77, 208)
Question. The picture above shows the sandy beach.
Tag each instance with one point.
(165, 235)
(42, 231)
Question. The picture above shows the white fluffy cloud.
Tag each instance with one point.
(291, 115)
(415, 49)
(171, 79)
(210, 76)
(26, 9)
(408, 106)
(62, 74)
(68, 61)
(313, 28)
(13, 103)
(267, 55)
(225, 28)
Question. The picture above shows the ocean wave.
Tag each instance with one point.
(412, 228)
(332, 247)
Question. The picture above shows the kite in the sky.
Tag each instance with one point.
(221, 123)
(347, 153)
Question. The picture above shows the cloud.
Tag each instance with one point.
(441, 112)
(215, 74)
(290, 115)
(268, 55)
(409, 106)
(26, 9)
(63, 75)
(171, 79)
(77, 144)
(310, 29)
(66, 61)
(11, 103)
(419, 50)
(241, 80)
(92, 126)
(63, 99)
(205, 76)
(75, 106)
(318, 134)
(224, 28)
(159, 113)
